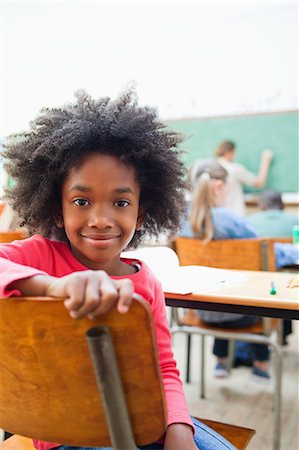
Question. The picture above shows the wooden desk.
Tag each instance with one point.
(251, 298)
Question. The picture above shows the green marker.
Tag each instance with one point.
(273, 290)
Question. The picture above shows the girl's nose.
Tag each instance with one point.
(100, 218)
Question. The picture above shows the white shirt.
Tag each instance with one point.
(237, 176)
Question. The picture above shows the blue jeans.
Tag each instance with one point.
(205, 438)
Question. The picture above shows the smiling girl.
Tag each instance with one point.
(93, 178)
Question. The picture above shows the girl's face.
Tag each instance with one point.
(100, 212)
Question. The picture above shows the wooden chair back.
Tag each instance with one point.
(9, 236)
(242, 254)
(48, 389)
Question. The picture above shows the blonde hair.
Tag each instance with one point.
(203, 198)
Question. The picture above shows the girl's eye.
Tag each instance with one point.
(121, 203)
(81, 202)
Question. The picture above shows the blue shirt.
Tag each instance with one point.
(273, 223)
(226, 224)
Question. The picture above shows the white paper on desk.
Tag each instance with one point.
(188, 279)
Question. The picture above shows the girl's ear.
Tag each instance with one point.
(59, 222)
(140, 218)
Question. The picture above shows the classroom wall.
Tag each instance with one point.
(252, 134)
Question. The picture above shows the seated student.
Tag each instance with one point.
(209, 220)
(271, 220)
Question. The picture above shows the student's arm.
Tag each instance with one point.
(228, 225)
(89, 292)
(179, 436)
(261, 178)
(180, 430)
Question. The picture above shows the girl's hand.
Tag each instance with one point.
(179, 436)
(89, 293)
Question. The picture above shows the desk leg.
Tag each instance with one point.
(202, 368)
(188, 362)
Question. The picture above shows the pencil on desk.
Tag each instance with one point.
(273, 290)
(293, 283)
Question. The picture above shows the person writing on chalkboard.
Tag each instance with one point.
(238, 175)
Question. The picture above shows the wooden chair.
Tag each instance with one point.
(9, 236)
(237, 436)
(242, 254)
(82, 382)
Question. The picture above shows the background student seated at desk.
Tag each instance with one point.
(271, 220)
(207, 220)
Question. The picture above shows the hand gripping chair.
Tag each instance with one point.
(242, 254)
(82, 382)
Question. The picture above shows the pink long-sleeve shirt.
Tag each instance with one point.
(38, 255)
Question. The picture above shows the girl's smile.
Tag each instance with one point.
(100, 240)
(100, 212)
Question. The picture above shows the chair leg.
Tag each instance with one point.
(188, 361)
(280, 337)
(277, 398)
(174, 318)
(230, 355)
(202, 368)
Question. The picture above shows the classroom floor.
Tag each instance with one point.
(242, 401)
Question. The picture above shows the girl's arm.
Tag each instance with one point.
(179, 436)
(180, 430)
(88, 292)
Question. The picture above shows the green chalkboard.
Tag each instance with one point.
(251, 134)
